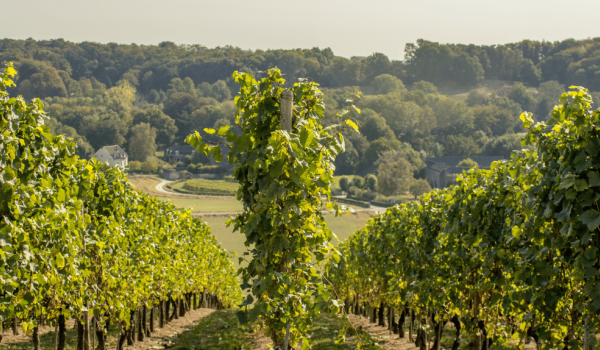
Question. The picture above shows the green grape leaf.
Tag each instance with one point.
(591, 219)
(60, 261)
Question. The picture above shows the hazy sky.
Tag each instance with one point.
(349, 27)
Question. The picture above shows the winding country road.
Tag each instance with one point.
(160, 188)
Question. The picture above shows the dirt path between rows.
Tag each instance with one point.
(167, 336)
(390, 341)
(161, 338)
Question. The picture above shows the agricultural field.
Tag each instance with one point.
(205, 186)
(342, 226)
(205, 204)
(197, 204)
(145, 183)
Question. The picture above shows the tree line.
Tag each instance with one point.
(55, 67)
(145, 98)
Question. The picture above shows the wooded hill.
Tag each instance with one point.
(52, 67)
(103, 94)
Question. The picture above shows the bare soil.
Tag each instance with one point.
(161, 338)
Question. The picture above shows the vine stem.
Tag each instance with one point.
(344, 312)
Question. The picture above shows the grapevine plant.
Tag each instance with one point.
(509, 252)
(283, 177)
(76, 237)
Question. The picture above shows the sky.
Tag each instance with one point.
(349, 27)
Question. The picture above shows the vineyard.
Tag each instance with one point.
(79, 243)
(506, 255)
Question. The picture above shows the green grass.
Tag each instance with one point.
(336, 184)
(342, 226)
(326, 329)
(206, 205)
(209, 186)
(221, 330)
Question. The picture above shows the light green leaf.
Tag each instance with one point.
(352, 124)
(60, 261)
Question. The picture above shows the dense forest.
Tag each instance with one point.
(148, 97)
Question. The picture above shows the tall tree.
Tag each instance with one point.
(386, 83)
(522, 96)
(142, 142)
(164, 125)
(394, 173)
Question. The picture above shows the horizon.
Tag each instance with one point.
(349, 29)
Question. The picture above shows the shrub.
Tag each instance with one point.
(467, 163)
(186, 175)
(229, 178)
(344, 184)
(135, 165)
(358, 181)
(212, 169)
(369, 196)
(371, 182)
(191, 168)
(354, 191)
(419, 187)
(149, 167)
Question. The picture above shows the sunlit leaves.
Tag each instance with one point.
(515, 246)
(282, 176)
(74, 234)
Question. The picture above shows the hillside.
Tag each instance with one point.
(443, 100)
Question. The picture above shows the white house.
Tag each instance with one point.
(113, 155)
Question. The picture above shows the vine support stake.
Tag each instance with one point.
(287, 336)
(56, 335)
(287, 100)
(586, 340)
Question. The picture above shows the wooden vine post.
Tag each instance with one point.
(287, 103)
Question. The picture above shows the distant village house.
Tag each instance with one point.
(441, 171)
(113, 155)
(177, 153)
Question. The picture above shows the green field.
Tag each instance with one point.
(205, 186)
(336, 184)
(342, 226)
(207, 205)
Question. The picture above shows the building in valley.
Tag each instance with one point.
(441, 171)
(113, 155)
(177, 153)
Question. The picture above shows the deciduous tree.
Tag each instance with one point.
(142, 143)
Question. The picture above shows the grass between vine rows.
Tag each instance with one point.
(221, 330)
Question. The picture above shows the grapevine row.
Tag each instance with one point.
(283, 173)
(506, 254)
(76, 238)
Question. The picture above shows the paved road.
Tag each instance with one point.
(160, 188)
(377, 209)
